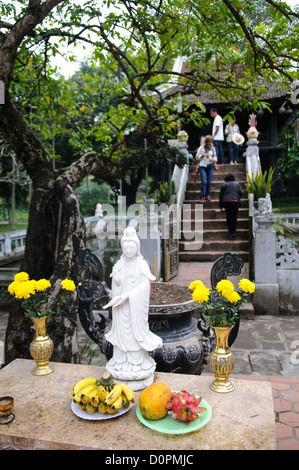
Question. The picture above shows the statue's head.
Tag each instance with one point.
(130, 241)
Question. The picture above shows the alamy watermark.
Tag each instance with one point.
(2, 100)
(173, 221)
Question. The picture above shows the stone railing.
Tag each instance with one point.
(292, 219)
(180, 178)
(12, 243)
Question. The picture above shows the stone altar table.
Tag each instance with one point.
(241, 420)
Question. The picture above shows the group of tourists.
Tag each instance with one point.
(210, 154)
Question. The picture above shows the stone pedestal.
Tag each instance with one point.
(266, 296)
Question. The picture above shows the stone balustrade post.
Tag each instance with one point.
(266, 296)
(7, 243)
(253, 164)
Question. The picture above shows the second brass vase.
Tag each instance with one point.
(222, 361)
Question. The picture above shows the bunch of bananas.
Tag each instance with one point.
(103, 395)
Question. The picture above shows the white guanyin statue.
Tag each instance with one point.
(130, 334)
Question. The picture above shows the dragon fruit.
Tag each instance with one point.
(184, 406)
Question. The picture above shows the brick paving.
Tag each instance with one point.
(285, 392)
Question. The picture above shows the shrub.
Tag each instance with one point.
(89, 198)
(261, 184)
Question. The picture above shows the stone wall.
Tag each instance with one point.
(288, 282)
(276, 270)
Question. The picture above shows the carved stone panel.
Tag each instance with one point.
(287, 255)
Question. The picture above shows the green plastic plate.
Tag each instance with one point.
(168, 425)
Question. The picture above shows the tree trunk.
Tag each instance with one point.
(56, 233)
(130, 189)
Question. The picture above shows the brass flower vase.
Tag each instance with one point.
(41, 348)
(222, 361)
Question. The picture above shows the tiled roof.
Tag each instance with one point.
(273, 90)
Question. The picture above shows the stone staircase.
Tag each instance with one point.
(216, 238)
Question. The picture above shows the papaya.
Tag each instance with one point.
(153, 400)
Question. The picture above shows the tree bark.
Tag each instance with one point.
(56, 233)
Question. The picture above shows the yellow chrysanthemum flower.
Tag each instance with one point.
(201, 294)
(22, 276)
(25, 289)
(232, 297)
(225, 286)
(247, 286)
(195, 284)
(68, 284)
(13, 286)
(42, 284)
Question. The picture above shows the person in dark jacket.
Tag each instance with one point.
(229, 199)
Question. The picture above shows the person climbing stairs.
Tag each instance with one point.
(216, 238)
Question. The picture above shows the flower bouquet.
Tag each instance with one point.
(36, 302)
(35, 295)
(221, 306)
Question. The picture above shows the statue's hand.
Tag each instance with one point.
(117, 301)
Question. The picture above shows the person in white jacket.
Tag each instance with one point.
(217, 134)
(207, 157)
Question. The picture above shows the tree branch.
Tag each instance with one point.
(34, 15)
(286, 13)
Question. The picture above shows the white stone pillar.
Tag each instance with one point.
(253, 164)
(266, 296)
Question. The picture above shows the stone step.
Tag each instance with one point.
(212, 213)
(214, 234)
(237, 172)
(226, 166)
(214, 224)
(204, 256)
(218, 179)
(215, 186)
(220, 246)
(212, 204)
(215, 189)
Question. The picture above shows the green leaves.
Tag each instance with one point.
(129, 84)
(260, 184)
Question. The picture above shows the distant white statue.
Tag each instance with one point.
(99, 210)
(130, 334)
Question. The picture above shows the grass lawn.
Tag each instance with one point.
(286, 205)
(7, 227)
(21, 221)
